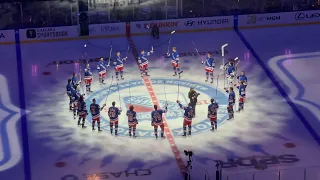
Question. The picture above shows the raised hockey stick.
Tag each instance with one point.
(172, 32)
(80, 68)
(224, 69)
(109, 90)
(110, 54)
(195, 48)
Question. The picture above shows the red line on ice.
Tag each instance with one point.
(155, 101)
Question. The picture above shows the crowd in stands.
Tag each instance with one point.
(36, 13)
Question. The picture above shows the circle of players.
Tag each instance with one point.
(78, 105)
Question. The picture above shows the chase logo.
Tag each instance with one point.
(10, 151)
(143, 105)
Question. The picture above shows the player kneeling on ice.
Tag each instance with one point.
(242, 94)
(143, 62)
(69, 88)
(113, 114)
(132, 121)
(95, 113)
(118, 65)
(75, 97)
(82, 108)
(88, 78)
(102, 69)
(212, 114)
(209, 67)
(156, 120)
(231, 101)
(175, 61)
(188, 115)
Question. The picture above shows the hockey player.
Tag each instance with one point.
(118, 65)
(102, 68)
(132, 121)
(232, 96)
(156, 120)
(175, 61)
(82, 108)
(113, 114)
(242, 77)
(75, 97)
(209, 67)
(69, 88)
(95, 113)
(212, 114)
(143, 62)
(230, 73)
(231, 101)
(242, 96)
(88, 78)
(74, 79)
(188, 115)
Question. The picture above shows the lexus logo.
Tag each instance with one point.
(189, 23)
(301, 16)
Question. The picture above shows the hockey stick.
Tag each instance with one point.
(218, 83)
(110, 54)
(119, 94)
(80, 67)
(194, 45)
(109, 90)
(224, 69)
(172, 32)
(165, 92)
(179, 85)
(130, 92)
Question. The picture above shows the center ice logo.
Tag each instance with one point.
(143, 105)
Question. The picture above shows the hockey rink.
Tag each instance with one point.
(267, 132)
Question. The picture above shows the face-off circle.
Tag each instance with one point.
(143, 105)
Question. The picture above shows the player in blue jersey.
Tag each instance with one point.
(75, 80)
(188, 115)
(113, 114)
(156, 120)
(143, 62)
(232, 96)
(242, 96)
(175, 61)
(209, 67)
(88, 78)
(75, 97)
(82, 108)
(95, 113)
(132, 121)
(231, 102)
(69, 88)
(212, 114)
(118, 65)
(102, 69)
(242, 77)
